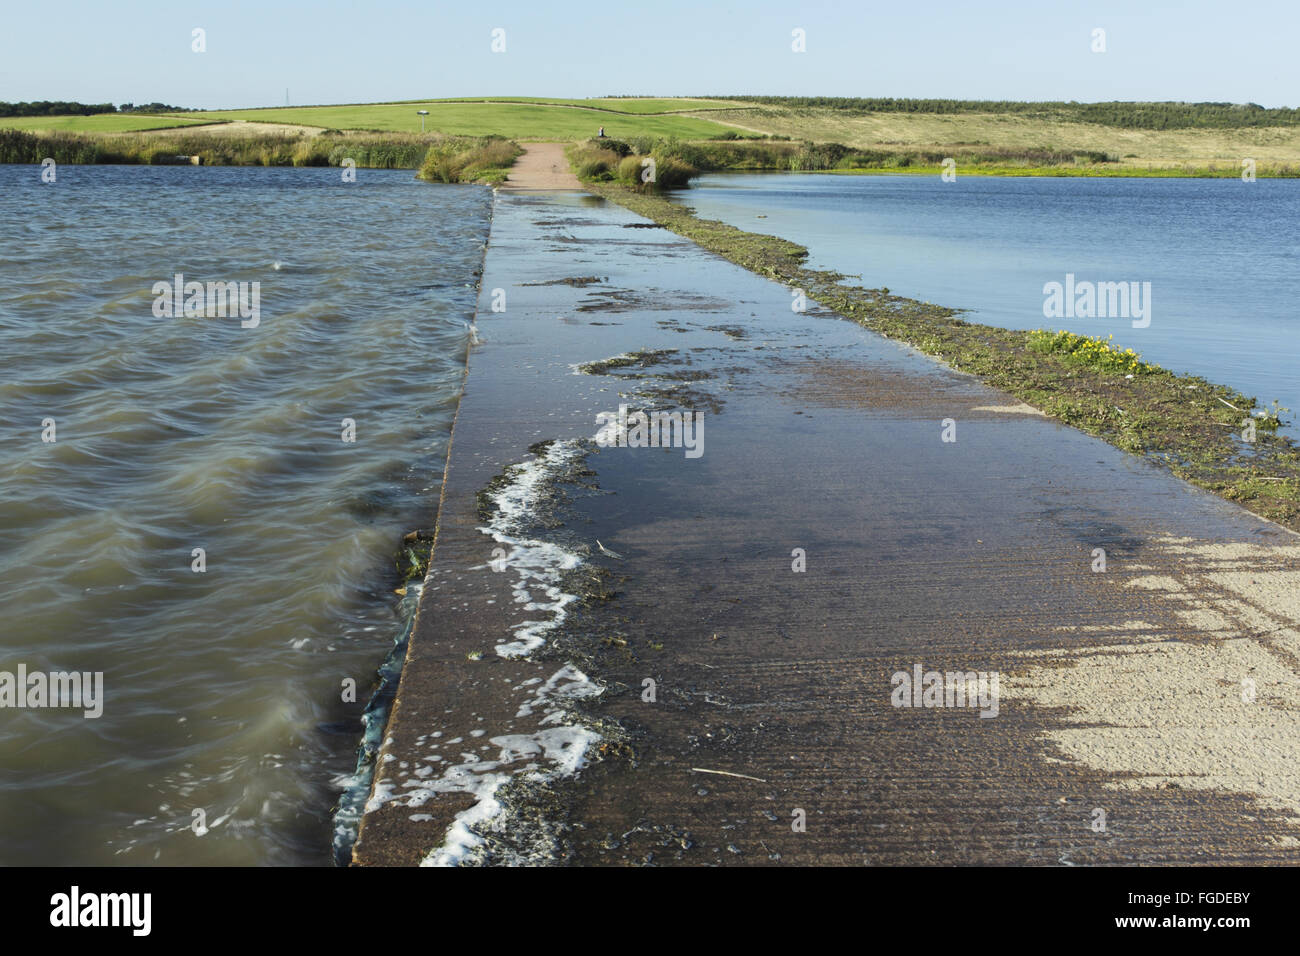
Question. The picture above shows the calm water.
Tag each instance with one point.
(1222, 256)
(223, 688)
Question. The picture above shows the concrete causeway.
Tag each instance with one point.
(729, 687)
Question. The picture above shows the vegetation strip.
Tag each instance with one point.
(790, 133)
(606, 160)
(1199, 430)
(438, 157)
(1123, 115)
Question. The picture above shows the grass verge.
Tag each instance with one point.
(448, 159)
(675, 157)
(645, 164)
(1208, 434)
(468, 160)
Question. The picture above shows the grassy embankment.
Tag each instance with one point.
(467, 142)
(470, 160)
(1135, 139)
(841, 135)
(1190, 425)
(678, 161)
(439, 158)
(825, 134)
(806, 156)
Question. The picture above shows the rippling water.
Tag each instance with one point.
(222, 688)
(1222, 256)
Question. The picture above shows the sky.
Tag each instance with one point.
(332, 52)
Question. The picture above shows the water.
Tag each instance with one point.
(223, 689)
(1222, 256)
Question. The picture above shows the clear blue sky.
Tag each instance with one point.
(330, 52)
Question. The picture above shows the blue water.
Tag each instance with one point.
(1222, 256)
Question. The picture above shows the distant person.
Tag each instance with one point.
(601, 134)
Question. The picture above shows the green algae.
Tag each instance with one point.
(643, 359)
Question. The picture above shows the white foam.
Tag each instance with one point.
(563, 748)
(568, 683)
(558, 745)
(537, 565)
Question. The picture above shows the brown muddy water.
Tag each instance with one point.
(224, 736)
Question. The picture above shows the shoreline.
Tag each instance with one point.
(1043, 172)
(350, 809)
(463, 682)
(283, 145)
(437, 157)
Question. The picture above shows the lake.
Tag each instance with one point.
(182, 507)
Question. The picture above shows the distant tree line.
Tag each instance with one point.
(1184, 115)
(153, 108)
(63, 108)
(55, 108)
(1120, 114)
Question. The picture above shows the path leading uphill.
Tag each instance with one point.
(870, 611)
(542, 166)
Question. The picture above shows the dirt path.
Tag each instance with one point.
(240, 128)
(542, 166)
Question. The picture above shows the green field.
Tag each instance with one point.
(99, 123)
(523, 120)
(648, 104)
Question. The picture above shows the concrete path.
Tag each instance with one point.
(542, 166)
(720, 679)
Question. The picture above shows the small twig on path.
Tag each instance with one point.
(728, 773)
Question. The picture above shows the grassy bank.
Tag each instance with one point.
(1188, 150)
(885, 135)
(1212, 171)
(1191, 426)
(440, 158)
(599, 161)
(603, 161)
(478, 160)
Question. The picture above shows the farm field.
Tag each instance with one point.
(1197, 147)
(98, 123)
(524, 120)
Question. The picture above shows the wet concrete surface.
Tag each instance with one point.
(824, 443)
